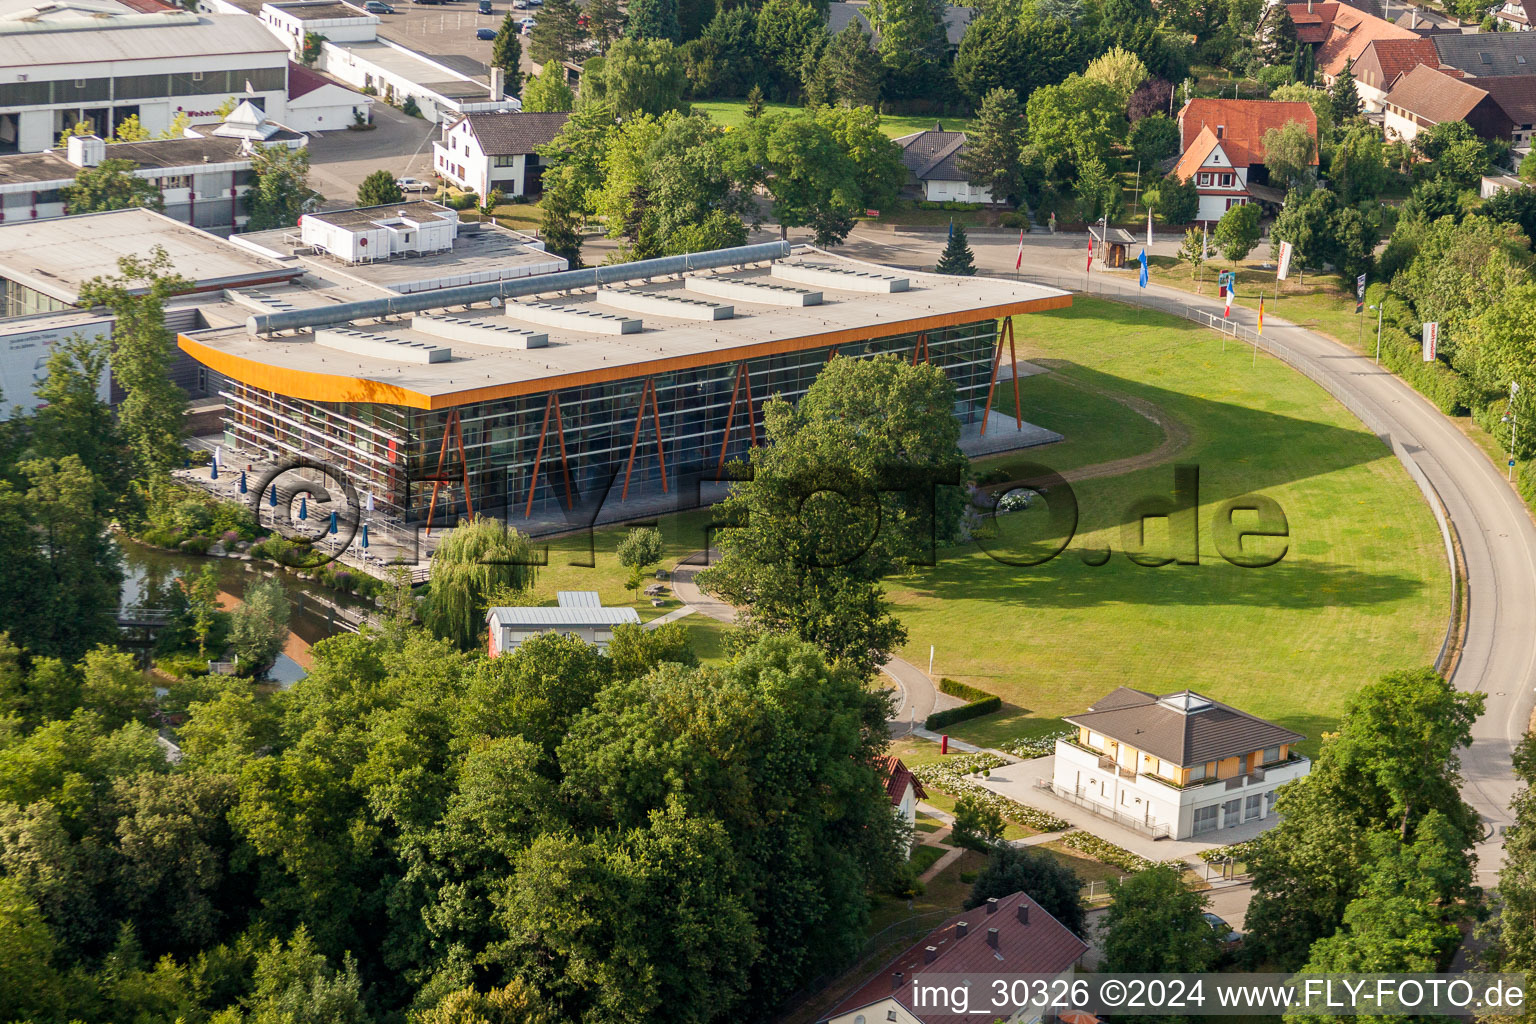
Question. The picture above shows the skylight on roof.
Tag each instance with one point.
(1186, 703)
(1485, 56)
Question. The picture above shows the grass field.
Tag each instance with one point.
(1361, 590)
(734, 114)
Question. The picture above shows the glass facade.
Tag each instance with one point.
(394, 452)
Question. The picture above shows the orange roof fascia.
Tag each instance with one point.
(326, 387)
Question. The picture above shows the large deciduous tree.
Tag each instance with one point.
(481, 561)
(110, 185)
(281, 189)
(850, 487)
(1156, 923)
(378, 189)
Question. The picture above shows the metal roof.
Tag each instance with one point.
(576, 618)
(207, 35)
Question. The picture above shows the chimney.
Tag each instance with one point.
(1023, 913)
(930, 954)
(896, 979)
(1309, 6)
(961, 928)
(85, 150)
(991, 904)
(498, 85)
(992, 937)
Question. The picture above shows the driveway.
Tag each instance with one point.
(339, 161)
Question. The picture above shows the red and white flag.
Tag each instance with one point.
(1090, 255)
(1019, 260)
(1227, 312)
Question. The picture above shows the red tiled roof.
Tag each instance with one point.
(1043, 946)
(1399, 56)
(1435, 96)
(1243, 124)
(1195, 154)
(1312, 26)
(1349, 33)
(897, 777)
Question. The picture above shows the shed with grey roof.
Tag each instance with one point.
(578, 613)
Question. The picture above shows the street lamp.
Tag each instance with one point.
(1378, 310)
(1513, 419)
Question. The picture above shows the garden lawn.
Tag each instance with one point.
(734, 114)
(1362, 588)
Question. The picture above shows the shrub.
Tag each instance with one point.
(1013, 219)
(964, 713)
(191, 516)
(949, 776)
(410, 108)
(1242, 852)
(1106, 851)
(196, 545)
(182, 666)
(958, 689)
(161, 536)
(978, 824)
(1038, 746)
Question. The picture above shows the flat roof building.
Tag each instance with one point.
(514, 395)
(102, 62)
(578, 613)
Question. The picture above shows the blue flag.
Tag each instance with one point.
(951, 227)
(1143, 259)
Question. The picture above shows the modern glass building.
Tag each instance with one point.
(626, 386)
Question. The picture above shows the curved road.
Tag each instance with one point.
(1497, 536)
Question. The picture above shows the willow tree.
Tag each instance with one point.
(479, 564)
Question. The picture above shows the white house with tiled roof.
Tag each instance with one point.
(933, 162)
(1174, 766)
(480, 152)
(1515, 15)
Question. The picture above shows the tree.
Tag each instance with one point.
(1155, 923)
(177, 129)
(1154, 96)
(507, 54)
(380, 189)
(1001, 51)
(913, 45)
(1513, 206)
(281, 187)
(723, 60)
(1455, 152)
(151, 413)
(1318, 99)
(798, 560)
(75, 419)
(1515, 941)
(480, 560)
(1346, 98)
(259, 627)
(1043, 878)
(129, 129)
(1192, 251)
(560, 226)
(79, 128)
(639, 77)
(1359, 169)
(755, 102)
(1154, 139)
(110, 185)
(957, 257)
(30, 987)
(786, 31)
(605, 22)
(1098, 193)
(295, 985)
(993, 157)
(641, 546)
(1070, 122)
(547, 92)
(1175, 199)
(1237, 232)
(654, 19)
(1289, 154)
(1528, 169)
(1392, 766)
(557, 33)
(203, 605)
(977, 825)
(847, 72)
(1119, 69)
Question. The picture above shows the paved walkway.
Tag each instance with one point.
(671, 616)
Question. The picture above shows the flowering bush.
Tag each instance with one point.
(1029, 747)
(949, 776)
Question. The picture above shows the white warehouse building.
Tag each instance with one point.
(103, 61)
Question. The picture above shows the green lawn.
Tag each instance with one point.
(734, 114)
(1363, 588)
(1085, 867)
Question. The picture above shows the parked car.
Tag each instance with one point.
(377, 7)
(526, 25)
(413, 185)
(485, 33)
(485, 7)
(1230, 939)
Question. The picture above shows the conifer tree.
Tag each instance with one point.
(957, 258)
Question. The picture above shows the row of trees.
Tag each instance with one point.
(667, 182)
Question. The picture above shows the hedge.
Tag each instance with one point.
(963, 713)
(956, 688)
(1106, 851)
(1031, 747)
(1240, 852)
(949, 775)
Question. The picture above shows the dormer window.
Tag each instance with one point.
(1185, 703)
(1221, 130)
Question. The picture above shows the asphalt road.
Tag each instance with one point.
(1496, 532)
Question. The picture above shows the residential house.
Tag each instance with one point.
(933, 162)
(1515, 15)
(1383, 61)
(579, 613)
(1516, 96)
(1426, 96)
(1177, 765)
(902, 787)
(956, 20)
(1009, 936)
(1340, 33)
(1223, 150)
(480, 152)
(1488, 54)
(317, 104)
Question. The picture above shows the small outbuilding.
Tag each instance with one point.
(579, 613)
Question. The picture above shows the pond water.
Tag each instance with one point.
(148, 571)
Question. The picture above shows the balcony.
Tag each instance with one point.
(1079, 798)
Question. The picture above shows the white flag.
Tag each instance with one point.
(369, 497)
(1285, 261)
(218, 454)
(1431, 340)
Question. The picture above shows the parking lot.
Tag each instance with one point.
(446, 32)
